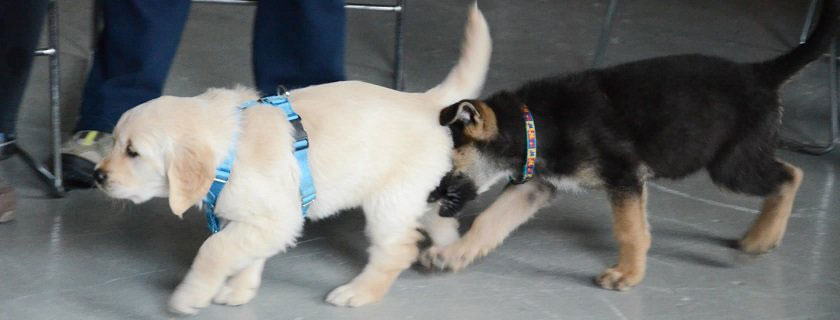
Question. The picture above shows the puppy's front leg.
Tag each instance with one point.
(239, 246)
(631, 229)
(515, 205)
(242, 286)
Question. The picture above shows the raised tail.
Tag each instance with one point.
(779, 69)
(466, 79)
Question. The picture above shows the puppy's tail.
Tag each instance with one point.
(778, 70)
(466, 79)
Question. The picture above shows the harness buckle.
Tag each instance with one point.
(307, 200)
(299, 134)
(273, 100)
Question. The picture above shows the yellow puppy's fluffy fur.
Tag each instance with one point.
(370, 146)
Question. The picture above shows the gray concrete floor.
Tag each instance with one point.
(88, 257)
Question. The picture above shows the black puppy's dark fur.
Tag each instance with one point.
(620, 126)
(675, 114)
(454, 191)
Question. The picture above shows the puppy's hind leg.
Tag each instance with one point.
(512, 208)
(392, 229)
(769, 228)
(751, 168)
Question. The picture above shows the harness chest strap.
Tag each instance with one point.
(301, 144)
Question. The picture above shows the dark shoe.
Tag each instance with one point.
(81, 153)
(7, 202)
(7, 146)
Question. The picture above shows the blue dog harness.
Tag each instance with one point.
(307, 187)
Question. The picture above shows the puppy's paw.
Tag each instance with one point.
(453, 257)
(442, 233)
(188, 300)
(445, 237)
(758, 244)
(234, 295)
(617, 279)
(355, 294)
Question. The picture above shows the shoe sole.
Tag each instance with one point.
(7, 216)
(7, 151)
(78, 172)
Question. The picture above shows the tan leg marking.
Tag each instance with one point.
(514, 206)
(768, 229)
(631, 229)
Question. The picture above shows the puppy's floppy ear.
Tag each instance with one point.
(463, 111)
(190, 175)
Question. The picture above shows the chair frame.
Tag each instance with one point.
(51, 178)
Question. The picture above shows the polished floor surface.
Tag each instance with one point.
(88, 257)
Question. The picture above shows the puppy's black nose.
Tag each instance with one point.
(99, 176)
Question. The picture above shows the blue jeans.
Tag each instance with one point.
(297, 43)
(20, 27)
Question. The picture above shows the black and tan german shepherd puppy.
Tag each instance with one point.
(617, 127)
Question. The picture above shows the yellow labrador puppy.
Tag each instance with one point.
(370, 146)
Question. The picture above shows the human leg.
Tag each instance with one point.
(20, 27)
(130, 65)
(298, 43)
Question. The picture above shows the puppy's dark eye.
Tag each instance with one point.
(129, 150)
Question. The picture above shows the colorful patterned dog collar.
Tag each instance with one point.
(531, 148)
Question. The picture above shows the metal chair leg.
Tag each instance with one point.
(604, 39)
(397, 8)
(398, 46)
(52, 179)
(55, 96)
(819, 149)
(809, 20)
